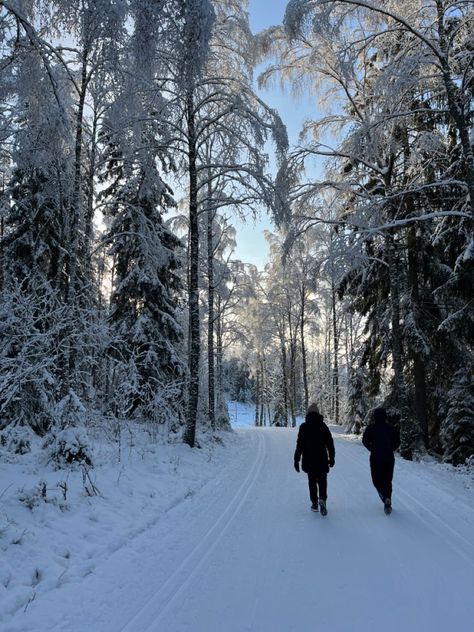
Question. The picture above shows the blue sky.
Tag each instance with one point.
(251, 244)
(264, 13)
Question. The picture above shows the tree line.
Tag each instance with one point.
(129, 129)
(130, 134)
(386, 167)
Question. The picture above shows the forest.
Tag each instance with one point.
(134, 132)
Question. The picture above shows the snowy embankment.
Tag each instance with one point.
(222, 538)
(54, 533)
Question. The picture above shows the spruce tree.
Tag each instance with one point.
(32, 258)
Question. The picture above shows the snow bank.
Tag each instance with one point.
(56, 526)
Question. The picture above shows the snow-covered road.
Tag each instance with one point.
(247, 554)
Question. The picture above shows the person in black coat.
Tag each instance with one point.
(381, 439)
(316, 448)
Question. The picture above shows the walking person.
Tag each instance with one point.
(315, 446)
(382, 439)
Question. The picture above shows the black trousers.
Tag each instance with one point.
(318, 486)
(382, 475)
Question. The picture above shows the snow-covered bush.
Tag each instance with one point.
(69, 411)
(222, 417)
(358, 403)
(29, 328)
(280, 416)
(16, 439)
(34, 496)
(69, 447)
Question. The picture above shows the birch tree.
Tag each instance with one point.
(210, 101)
(399, 177)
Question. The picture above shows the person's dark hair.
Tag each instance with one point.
(380, 414)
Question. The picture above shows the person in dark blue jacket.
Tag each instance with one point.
(382, 439)
(316, 448)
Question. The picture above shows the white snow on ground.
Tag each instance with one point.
(60, 542)
(222, 540)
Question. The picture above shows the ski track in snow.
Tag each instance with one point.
(149, 616)
(413, 505)
(245, 554)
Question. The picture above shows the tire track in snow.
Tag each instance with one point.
(158, 605)
(407, 500)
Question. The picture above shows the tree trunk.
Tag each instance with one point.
(293, 384)
(419, 373)
(89, 218)
(210, 323)
(189, 436)
(418, 361)
(303, 355)
(284, 367)
(74, 225)
(292, 369)
(257, 399)
(77, 210)
(263, 396)
(407, 430)
(335, 380)
(327, 371)
(219, 348)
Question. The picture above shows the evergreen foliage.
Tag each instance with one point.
(130, 131)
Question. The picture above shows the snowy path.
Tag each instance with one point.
(246, 554)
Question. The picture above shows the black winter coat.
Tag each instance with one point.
(315, 445)
(381, 439)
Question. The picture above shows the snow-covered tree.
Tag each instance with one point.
(457, 430)
(32, 255)
(399, 166)
(220, 128)
(146, 339)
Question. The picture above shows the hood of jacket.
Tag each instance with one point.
(314, 418)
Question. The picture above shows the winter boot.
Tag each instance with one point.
(314, 507)
(322, 507)
(387, 506)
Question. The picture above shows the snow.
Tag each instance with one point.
(59, 542)
(241, 414)
(222, 538)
